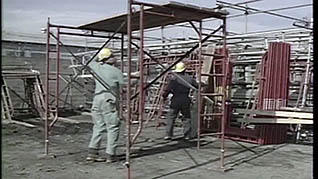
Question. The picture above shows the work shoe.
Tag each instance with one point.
(95, 158)
(100, 159)
(167, 138)
(91, 157)
(111, 158)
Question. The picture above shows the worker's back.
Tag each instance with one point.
(180, 88)
(108, 73)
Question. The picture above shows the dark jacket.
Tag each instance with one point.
(180, 90)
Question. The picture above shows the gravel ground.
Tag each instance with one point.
(152, 157)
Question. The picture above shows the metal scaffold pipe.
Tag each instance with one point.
(141, 80)
(46, 127)
(262, 11)
(128, 118)
(306, 84)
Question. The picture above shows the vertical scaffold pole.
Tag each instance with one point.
(141, 68)
(57, 94)
(128, 118)
(199, 85)
(225, 71)
(46, 124)
(122, 70)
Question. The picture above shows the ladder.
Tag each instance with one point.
(157, 105)
(53, 56)
(303, 95)
(217, 91)
(252, 97)
(39, 96)
(7, 106)
(6, 103)
(305, 86)
(215, 111)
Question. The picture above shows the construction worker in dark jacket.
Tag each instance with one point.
(180, 101)
(105, 106)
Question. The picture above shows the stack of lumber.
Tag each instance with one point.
(284, 115)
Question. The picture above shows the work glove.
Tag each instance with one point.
(135, 74)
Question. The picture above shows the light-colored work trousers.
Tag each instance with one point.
(105, 118)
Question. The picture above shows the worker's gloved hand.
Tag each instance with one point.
(135, 74)
(204, 84)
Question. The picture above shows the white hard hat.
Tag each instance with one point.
(180, 67)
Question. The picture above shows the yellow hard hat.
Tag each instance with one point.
(180, 67)
(104, 54)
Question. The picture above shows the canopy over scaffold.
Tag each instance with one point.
(157, 16)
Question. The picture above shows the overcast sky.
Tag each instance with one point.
(29, 16)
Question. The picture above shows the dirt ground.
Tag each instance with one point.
(152, 157)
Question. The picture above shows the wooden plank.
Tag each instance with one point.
(276, 121)
(18, 122)
(207, 64)
(301, 115)
(63, 119)
(86, 113)
(296, 109)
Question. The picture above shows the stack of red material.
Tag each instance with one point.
(273, 95)
(274, 87)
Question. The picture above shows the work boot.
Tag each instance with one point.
(167, 138)
(92, 154)
(91, 157)
(95, 158)
(111, 158)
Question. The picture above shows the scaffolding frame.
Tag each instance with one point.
(32, 93)
(142, 89)
(142, 85)
(49, 108)
(52, 106)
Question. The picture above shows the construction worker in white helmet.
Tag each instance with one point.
(105, 107)
(180, 101)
